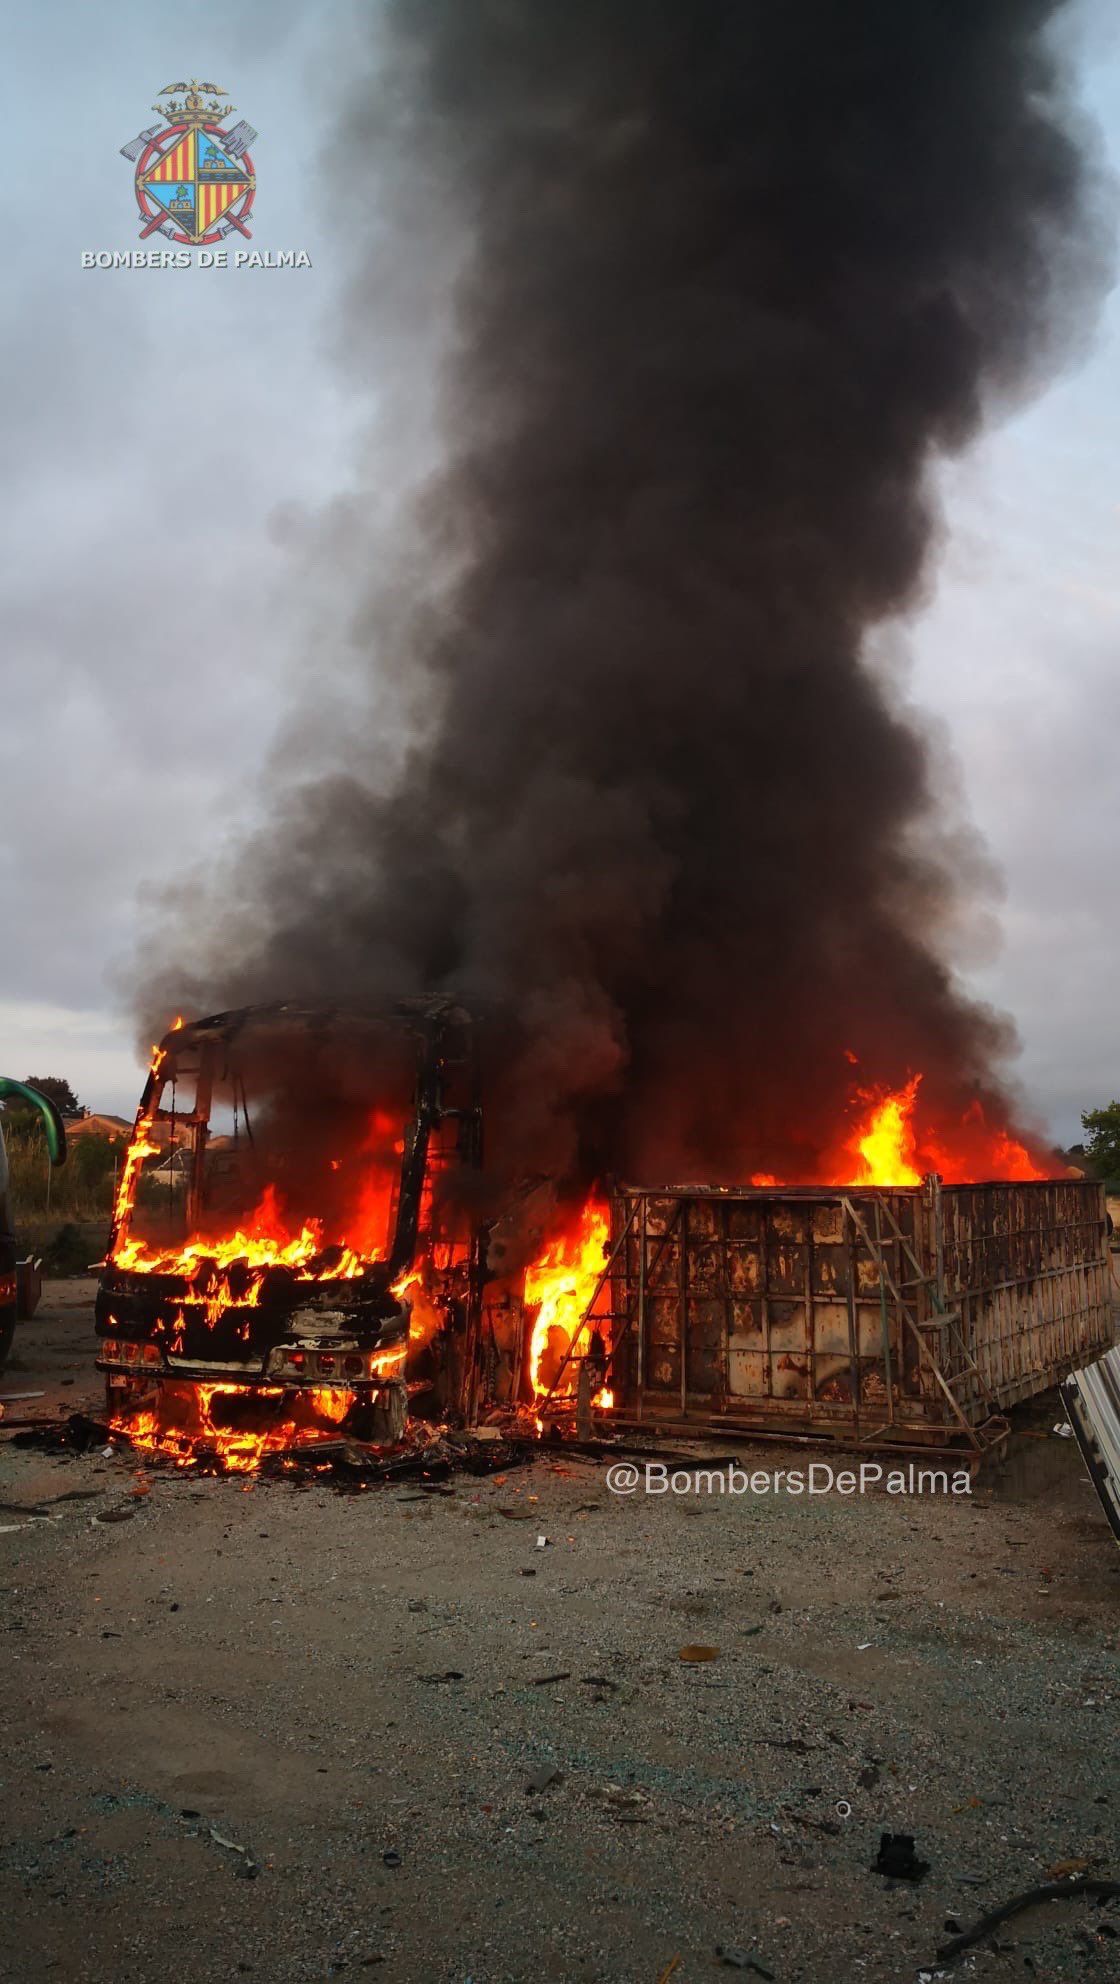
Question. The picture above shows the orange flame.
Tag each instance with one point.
(889, 1145)
(561, 1286)
(140, 1146)
(262, 1243)
(182, 1428)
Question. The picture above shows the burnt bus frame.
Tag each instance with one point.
(361, 1315)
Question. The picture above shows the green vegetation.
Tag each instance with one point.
(57, 1090)
(65, 1249)
(1102, 1143)
(62, 1213)
(82, 1188)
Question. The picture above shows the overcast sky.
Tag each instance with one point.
(168, 431)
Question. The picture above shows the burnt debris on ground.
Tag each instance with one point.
(426, 1457)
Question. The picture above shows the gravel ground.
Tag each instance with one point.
(260, 1729)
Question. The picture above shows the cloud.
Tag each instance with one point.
(154, 421)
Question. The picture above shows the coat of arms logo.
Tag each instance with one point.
(194, 179)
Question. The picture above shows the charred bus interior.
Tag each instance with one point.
(289, 1222)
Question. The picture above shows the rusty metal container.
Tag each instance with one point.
(900, 1317)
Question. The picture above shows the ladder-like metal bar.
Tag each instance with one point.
(884, 1324)
(925, 1355)
(946, 1316)
(585, 1318)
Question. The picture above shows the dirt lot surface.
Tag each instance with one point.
(269, 1730)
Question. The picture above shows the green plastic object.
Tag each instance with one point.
(52, 1121)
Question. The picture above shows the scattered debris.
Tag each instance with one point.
(546, 1680)
(231, 1845)
(897, 1859)
(425, 1457)
(1089, 1884)
(248, 1869)
(694, 1653)
(630, 1805)
(449, 1674)
(542, 1777)
(391, 1858)
(736, 1959)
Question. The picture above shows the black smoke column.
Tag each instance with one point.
(732, 274)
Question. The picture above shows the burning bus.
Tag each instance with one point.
(264, 1275)
(303, 1243)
